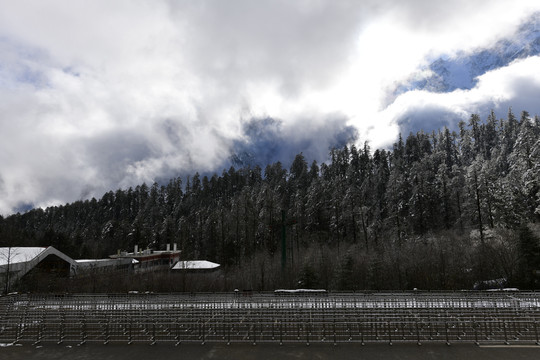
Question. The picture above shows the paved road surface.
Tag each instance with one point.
(269, 351)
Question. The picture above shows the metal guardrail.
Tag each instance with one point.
(473, 317)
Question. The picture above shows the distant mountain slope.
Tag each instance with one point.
(448, 73)
(265, 141)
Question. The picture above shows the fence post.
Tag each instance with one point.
(130, 331)
(83, 330)
(536, 332)
(177, 330)
(203, 334)
(106, 332)
(389, 333)
(153, 338)
(505, 333)
(281, 332)
(307, 333)
(475, 327)
(39, 334)
(335, 339)
(61, 330)
(417, 334)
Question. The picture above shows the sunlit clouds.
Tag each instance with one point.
(100, 95)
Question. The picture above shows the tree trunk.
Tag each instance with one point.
(478, 208)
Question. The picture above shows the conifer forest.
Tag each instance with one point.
(443, 210)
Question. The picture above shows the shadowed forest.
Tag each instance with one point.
(444, 210)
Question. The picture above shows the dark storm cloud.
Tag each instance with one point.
(267, 142)
(111, 153)
(429, 118)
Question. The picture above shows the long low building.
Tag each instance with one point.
(104, 265)
(37, 262)
(149, 260)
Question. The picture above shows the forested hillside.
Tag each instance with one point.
(439, 211)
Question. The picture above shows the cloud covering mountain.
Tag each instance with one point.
(100, 95)
(497, 76)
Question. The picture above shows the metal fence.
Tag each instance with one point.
(473, 317)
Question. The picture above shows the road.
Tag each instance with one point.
(269, 351)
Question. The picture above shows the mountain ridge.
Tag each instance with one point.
(461, 71)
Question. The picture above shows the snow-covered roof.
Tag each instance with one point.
(20, 255)
(21, 260)
(195, 265)
(15, 255)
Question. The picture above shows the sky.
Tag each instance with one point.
(101, 95)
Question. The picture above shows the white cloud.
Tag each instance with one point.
(516, 85)
(97, 95)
